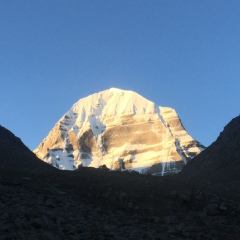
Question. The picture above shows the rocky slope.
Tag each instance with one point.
(119, 129)
(15, 155)
(220, 162)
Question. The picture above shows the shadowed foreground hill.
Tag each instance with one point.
(16, 157)
(38, 201)
(220, 162)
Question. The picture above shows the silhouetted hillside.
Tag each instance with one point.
(220, 162)
(15, 156)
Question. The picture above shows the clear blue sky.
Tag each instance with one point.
(180, 54)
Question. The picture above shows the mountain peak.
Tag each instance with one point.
(116, 89)
(120, 129)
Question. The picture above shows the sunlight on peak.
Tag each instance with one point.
(116, 89)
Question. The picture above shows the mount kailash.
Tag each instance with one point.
(122, 130)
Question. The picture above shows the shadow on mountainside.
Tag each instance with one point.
(38, 201)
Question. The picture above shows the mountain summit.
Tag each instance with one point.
(119, 129)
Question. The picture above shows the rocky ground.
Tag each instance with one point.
(38, 201)
(97, 204)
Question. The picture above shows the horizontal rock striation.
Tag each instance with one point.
(122, 130)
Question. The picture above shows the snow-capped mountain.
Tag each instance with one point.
(119, 129)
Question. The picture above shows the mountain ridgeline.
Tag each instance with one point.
(122, 130)
(15, 156)
(220, 162)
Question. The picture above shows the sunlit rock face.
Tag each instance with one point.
(122, 130)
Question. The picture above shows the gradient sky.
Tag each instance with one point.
(180, 54)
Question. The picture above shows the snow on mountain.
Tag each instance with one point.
(122, 130)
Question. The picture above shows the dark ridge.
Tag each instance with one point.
(15, 156)
(220, 162)
(7, 138)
